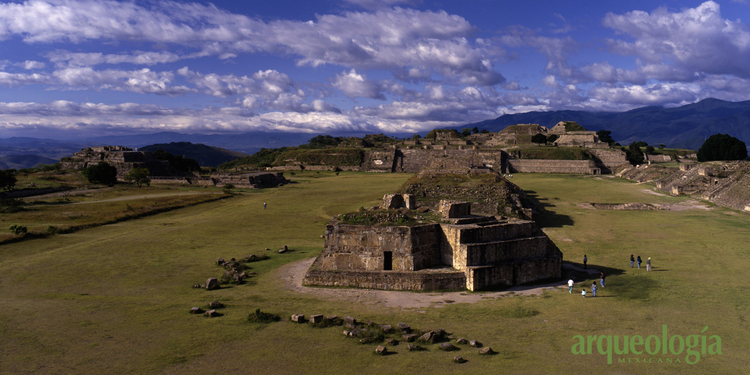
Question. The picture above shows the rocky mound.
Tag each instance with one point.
(490, 194)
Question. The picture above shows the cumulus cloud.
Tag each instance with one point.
(388, 38)
(142, 81)
(354, 84)
(693, 40)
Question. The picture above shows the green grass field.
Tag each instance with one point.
(115, 299)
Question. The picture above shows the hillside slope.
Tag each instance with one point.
(681, 127)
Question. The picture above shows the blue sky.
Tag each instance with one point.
(73, 67)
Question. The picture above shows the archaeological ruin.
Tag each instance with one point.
(406, 249)
(125, 159)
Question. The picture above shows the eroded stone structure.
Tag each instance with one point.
(125, 159)
(463, 252)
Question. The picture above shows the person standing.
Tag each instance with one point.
(585, 259)
(639, 262)
(583, 293)
(593, 288)
(601, 279)
(264, 205)
(570, 286)
(648, 264)
(632, 260)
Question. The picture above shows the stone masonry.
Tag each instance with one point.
(463, 252)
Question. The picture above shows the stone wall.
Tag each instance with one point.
(379, 161)
(553, 166)
(362, 248)
(608, 160)
(388, 280)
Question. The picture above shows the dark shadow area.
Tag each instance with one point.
(544, 215)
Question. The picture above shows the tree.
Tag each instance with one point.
(465, 132)
(539, 138)
(416, 136)
(8, 179)
(140, 176)
(662, 146)
(552, 138)
(722, 147)
(605, 136)
(634, 154)
(650, 150)
(475, 130)
(101, 173)
(484, 131)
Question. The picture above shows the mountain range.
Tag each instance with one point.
(681, 127)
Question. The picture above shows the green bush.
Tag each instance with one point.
(722, 147)
(101, 173)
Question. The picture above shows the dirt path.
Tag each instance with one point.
(293, 273)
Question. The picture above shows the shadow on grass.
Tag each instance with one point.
(547, 218)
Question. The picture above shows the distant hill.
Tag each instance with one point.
(683, 127)
(24, 161)
(206, 156)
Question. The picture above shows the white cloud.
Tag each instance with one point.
(388, 38)
(693, 40)
(142, 81)
(354, 84)
(96, 58)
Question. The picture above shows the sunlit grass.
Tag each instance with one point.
(116, 298)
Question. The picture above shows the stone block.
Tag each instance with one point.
(316, 318)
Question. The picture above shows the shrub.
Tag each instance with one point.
(7, 179)
(18, 229)
(102, 173)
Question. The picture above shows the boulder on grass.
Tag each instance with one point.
(448, 347)
(381, 350)
(212, 283)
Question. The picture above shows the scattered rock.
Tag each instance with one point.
(347, 333)
(267, 249)
(350, 326)
(462, 341)
(350, 320)
(423, 209)
(404, 327)
(390, 341)
(458, 359)
(475, 344)
(448, 347)
(322, 236)
(196, 310)
(298, 318)
(316, 318)
(381, 350)
(411, 347)
(211, 314)
(215, 305)
(220, 262)
(387, 328)
(196, 285)
(428, 337)
(332, 317)
(410, 337)
(212, 283)
(486, 351)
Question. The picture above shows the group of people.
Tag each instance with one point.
(593, 286)
(633, 260)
